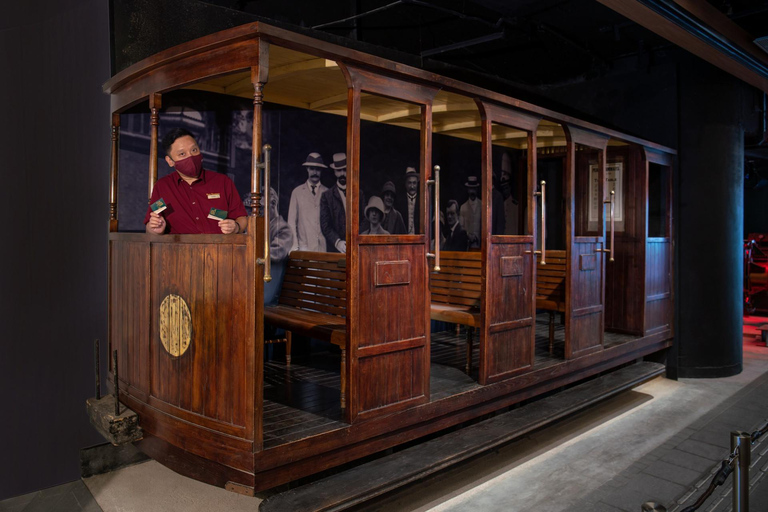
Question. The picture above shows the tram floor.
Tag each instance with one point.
(304, 399)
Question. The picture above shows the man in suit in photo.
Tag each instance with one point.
(470, 213)
(304, 208)
(455, 237)
(333, 208)
(408, 205)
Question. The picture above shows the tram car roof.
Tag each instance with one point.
(304, 72)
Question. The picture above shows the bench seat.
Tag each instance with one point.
(464, 315)
(456, 291)
(313, 302)
(550, 288)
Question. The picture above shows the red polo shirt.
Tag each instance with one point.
(188, 205)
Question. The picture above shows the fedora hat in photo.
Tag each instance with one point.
(388, 187)
(339, 161)
(472, 182)
(314, 160)
(411, 171)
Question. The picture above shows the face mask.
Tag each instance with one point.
(190, 166)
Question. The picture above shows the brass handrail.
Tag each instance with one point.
(436, 183)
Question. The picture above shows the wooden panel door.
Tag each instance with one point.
(507, 333)
(585, 240)
(387, 275)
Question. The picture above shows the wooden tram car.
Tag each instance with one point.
(187, 316)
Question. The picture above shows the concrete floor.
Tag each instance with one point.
(653, 443)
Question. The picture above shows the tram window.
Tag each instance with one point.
(658, 200)
(459, 158)
(588, 199)
(390, 149)
(552, 170)
(215, 121)
(510, 181)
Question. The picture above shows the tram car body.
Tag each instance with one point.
(574, 280)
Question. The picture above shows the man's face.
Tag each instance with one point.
(412, 184)
(183, 147)
(389, 199)
(450, 216)
(341, 176)
(314, 174)
(273, 204)
(472, 192)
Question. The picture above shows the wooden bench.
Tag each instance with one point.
(313, 302)
(550, 288)
(456, 293)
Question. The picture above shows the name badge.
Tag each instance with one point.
(214, 195)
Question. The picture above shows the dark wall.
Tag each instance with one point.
(54, 138)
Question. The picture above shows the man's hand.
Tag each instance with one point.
(229, 226)
(156, 224)
(341, 246)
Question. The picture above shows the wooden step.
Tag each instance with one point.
(362, 483)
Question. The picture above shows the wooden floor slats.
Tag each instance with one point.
(303, 399)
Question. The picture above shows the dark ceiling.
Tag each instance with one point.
(533, 43)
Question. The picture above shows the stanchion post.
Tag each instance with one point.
(741, 443)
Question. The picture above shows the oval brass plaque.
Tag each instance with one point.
(175, 325)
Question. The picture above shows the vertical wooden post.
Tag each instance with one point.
(258, 235)
(113, 181)
(155, 102)
(258, 138)
(353, 253)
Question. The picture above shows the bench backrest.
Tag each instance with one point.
(550, 281)
(316, 281)
(458, 282)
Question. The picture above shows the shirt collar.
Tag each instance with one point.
(200, 178)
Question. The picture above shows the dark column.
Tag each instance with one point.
(710, 220)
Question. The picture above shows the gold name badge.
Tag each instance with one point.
(175, 325)
(215, 195)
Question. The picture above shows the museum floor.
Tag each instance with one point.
(659, 442)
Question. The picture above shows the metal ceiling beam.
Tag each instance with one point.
(702, 30)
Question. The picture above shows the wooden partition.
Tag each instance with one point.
(181, 319)
(509, 272)
(625, 276)
(585, 292)
(388, 309)
(659, 277)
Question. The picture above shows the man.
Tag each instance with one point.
(470, 214)
(409, 205)
(304, 208)
(333, 208)
(455, 237)
(393, 221)
(190, 192)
